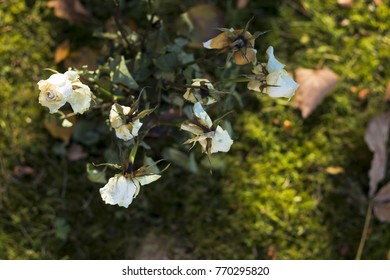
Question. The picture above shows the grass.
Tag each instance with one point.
(273, 197)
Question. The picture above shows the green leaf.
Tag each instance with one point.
(167, 62)
(144, 113)
(181, 159)
(95, 175)
(121, 74)
(61, 228)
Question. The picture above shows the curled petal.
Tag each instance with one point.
(147, 179)
(201, 114)
(191, 127)
(273, 64)
(136, 127)
(119, 190)
(80, 99)
(128, 132)
(221, 41)
(221, 142)
(57, 79)
(72, 75)
(242, 58)
(254, 85)
(194, 94)
(116, 119)
(280, 84)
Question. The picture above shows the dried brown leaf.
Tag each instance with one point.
(70, 10)
(376, 137)
(241, 4)
(81, 57)
(381, 203)
(345, 3)
(363, 93)
(62, 51)
(314, 85)
(22, 170)
(205, 18)
(387, 92)
(53, 125)
(334, 170)
(75, 152)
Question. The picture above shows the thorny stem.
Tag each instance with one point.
(365, 231)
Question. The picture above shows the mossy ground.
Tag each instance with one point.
(272, 199)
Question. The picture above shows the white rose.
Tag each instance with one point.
(123, 130)
(80, 98)
(55, 91)
(280, 83)
(122, 190)
(194, 94)
(220, 139)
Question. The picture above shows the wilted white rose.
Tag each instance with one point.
(122, 190)
(219, 139)
(280, 83)
(198, 94)
(55, 91)
(123, 130)
(81, 97)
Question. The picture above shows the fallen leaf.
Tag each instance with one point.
(62, 51)
(363, 93)
(272, 252)
(334, 170)
(70, 10)
(314, 85)
(387, 92)
(75, 152)
(22, 170)
(53, 125)
(203, 21)
(241, 4)
(345, 3)
(287, 124)
(381, 203)
(376, 137)
(83, 56)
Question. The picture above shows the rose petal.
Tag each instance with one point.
(280, 84)
(242, 59)
(254, 85)
(221, 142)
(221, 41)
(201, 114)
(119, 190)
(273, 64)
(80, 99)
